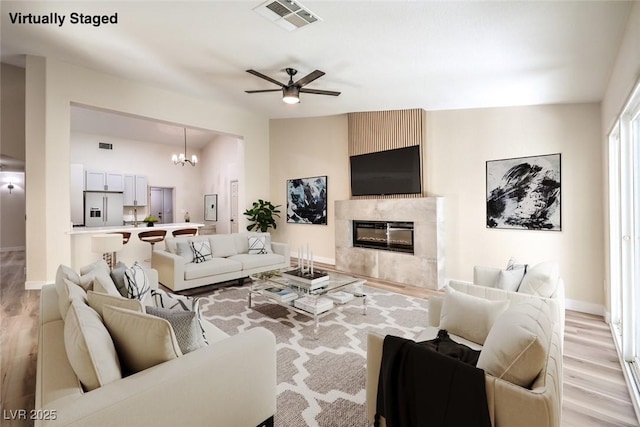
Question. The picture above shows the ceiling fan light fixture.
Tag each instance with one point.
(291, 95)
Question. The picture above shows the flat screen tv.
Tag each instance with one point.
(386, 172)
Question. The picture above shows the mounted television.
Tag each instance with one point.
(386, 172)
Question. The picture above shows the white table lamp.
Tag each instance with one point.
(107, 245)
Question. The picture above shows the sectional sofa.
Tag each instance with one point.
(519, 336)
(229, 382)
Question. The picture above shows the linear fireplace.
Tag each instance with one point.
(384, 235)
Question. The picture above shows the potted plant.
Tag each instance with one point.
(262, 215)
(150, 219)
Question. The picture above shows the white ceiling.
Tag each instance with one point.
(379, 54)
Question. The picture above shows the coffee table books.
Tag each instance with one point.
(313, 305)
(340, 297)
(282, 295)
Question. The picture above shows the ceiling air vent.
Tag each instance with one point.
(287, 14)
(105, 145)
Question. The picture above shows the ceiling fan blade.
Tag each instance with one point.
(263, 90)
(309, 78)
(320, 92)
(267, 78)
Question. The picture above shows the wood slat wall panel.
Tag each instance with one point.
(374, 131)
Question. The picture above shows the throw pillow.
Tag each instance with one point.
(185, 326)
(179, 302)
(201, 250)
(517, 346)
(99, 265)
(98, 300)
(117, 275)
(541, 280)
(103, 283)
(184, 250)
(67, 294)
(257, 245)
(89, 347)
(223, 245)
(64, 272)
(468, 316)
(141, 340)
(137, 283)
(513, 264)
(485, 276)
(509, 280)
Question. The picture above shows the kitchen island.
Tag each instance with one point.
(134, 250)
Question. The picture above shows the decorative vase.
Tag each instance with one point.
(149, 224)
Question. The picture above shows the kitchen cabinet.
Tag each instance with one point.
(103, 181)
(135, 190)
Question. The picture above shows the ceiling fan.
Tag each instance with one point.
(291, 91)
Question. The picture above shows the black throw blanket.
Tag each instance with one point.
(431, 384)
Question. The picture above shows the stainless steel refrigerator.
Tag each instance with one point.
(103, 209)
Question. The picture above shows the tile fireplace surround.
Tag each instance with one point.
(424, 268)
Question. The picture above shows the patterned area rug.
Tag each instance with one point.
(320, 382)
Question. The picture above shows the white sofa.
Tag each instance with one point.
(230, 382)
(509, 404)
(230, 260)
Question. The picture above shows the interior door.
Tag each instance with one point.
(167, 205)
(234, 206)
(162, 204)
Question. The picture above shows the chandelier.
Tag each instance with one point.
(182, 158)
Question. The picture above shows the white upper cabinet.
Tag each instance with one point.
(135, 190)
(103, 181)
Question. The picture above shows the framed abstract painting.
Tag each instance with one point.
(524, 193)
(307, 200)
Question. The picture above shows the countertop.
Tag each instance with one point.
(132, 229)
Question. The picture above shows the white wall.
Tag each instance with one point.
(626, 74)
(302, 148)
(626, 71)
(12, 137)
(458, 145)
(12, 211)
(51, 88)
(222, 162)
(12, 111)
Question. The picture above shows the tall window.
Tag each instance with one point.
(624, 232)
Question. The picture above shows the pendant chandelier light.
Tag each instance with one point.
(182, 158)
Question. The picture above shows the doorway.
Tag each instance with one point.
(162, 204)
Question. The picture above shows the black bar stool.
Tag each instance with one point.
(185, 232)
(125, 236)
(153, 237)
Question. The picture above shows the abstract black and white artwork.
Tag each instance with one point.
(524, 193)
(307, 200)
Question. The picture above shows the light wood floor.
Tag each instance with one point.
(595, 392)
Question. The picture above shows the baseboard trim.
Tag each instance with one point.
(584, 307)
(13, 249)
(35, 285)
(320, 259)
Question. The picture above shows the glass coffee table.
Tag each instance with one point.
(315, 300)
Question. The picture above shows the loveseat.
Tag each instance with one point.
(190, 262)
(231, 381)
(519, 337)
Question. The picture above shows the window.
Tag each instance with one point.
(624, 233)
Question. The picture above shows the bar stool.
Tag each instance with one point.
(125, 236)
(185, 232)
(153, 237)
